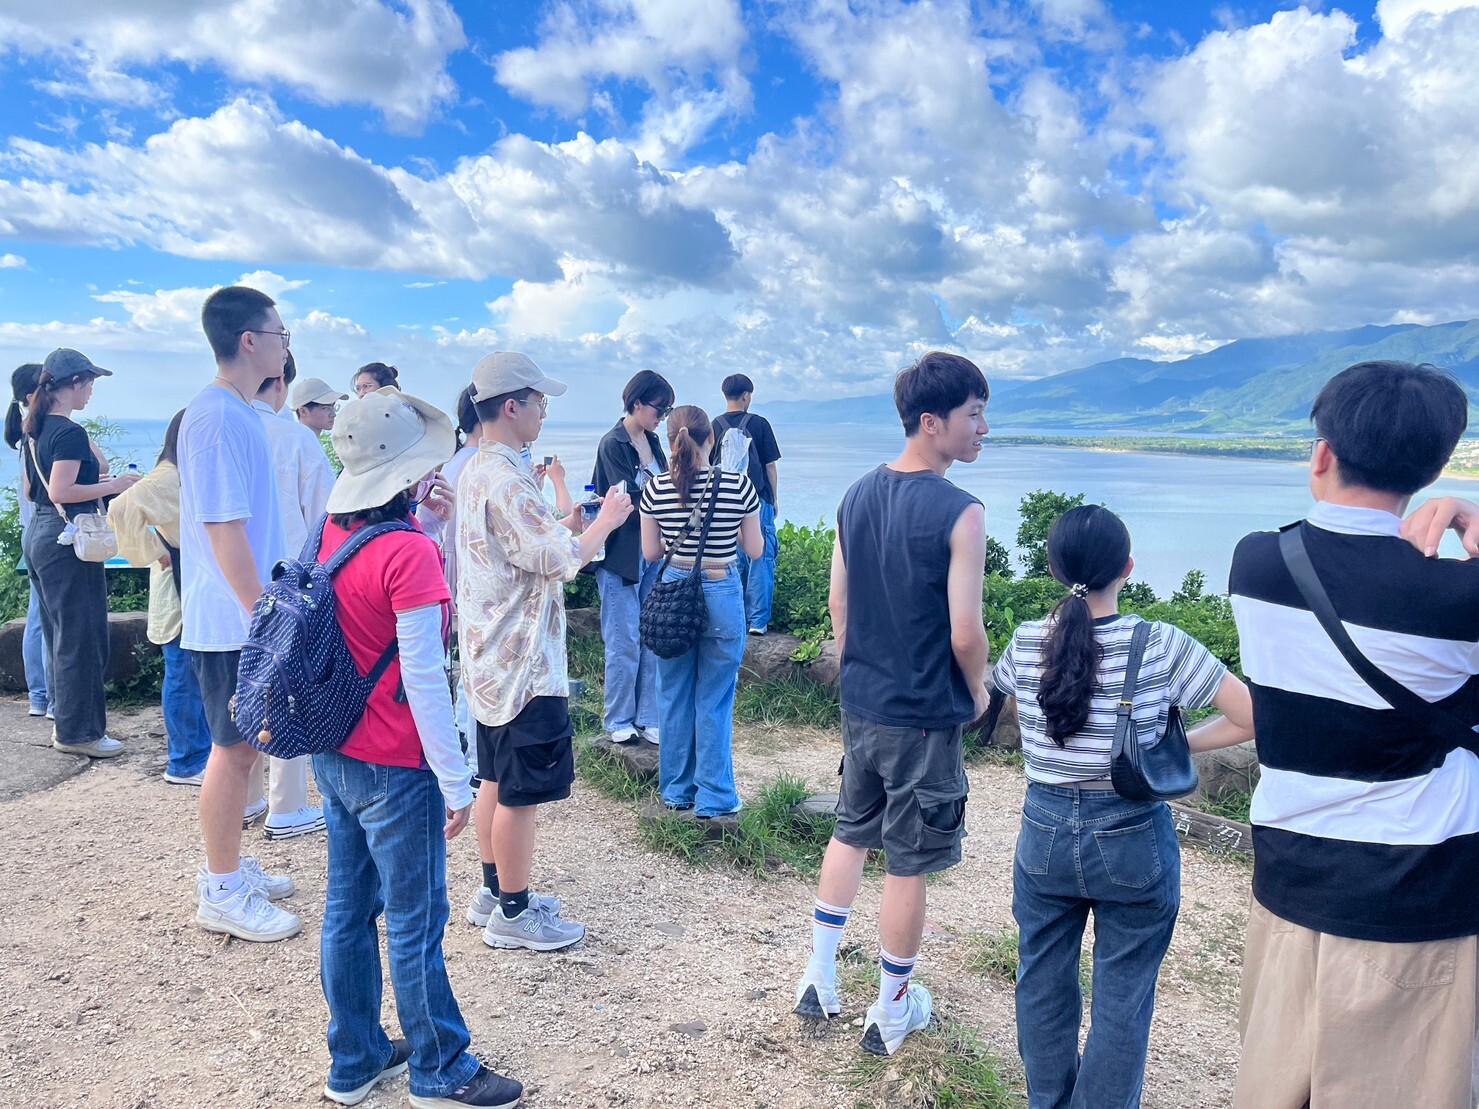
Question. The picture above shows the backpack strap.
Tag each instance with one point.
(314, 542)
(355, 543)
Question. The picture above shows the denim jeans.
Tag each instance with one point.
(184, 714)
(631, 669)
(33, 655)
(759, 573)
(696, 760)
(387, 854)
(1082, 850)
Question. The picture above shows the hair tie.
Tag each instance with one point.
(1079, 590)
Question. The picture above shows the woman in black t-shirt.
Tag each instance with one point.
(65, 476)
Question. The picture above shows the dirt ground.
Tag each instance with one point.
(110, 995)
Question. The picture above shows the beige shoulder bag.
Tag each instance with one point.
(93, 539)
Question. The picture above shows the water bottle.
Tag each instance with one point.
(133, 468)
(590, 508)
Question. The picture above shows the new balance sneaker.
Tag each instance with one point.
(485, 901)
(253, 813)
(882, 1036)
(400, 1059)
(247, 915)
(299, 822)
(492, 1091)
(816, 995)
(536, 928)
(185, 779)
(105, 748)
(274, 887)
(650, 734)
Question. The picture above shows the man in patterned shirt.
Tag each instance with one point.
(513, 559)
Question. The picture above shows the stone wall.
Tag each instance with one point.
(126, 630)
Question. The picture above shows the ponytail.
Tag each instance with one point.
(1088, 548)
(688, 430)
(14, 427)
(23, 383)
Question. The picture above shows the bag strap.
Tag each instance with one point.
(174, 564)
(693, 519)
(355, 543)
(1430, 716)
(1138, 639)
(36, 462)
(703, 540)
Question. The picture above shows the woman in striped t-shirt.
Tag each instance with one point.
(1082, 847)
(695, 691)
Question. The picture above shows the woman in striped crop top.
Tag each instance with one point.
(695, 691)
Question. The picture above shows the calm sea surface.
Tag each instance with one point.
(1183, 513)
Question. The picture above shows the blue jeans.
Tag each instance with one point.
(631, 669)
(696, 760)
(387, 854)
(759, 573)
(1080, 850)
(33, 655)
(184, 714)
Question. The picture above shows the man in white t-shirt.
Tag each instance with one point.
(230, 536)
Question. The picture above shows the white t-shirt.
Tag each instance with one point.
(226, 473)
(305, 477)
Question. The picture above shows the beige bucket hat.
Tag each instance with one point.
(387, 441)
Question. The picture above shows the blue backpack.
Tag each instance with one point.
(298, 690)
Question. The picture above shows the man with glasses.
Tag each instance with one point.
(316, 404)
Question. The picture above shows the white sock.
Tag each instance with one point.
(827, 923)
(218, 887)
(893, 982)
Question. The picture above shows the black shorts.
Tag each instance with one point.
(531, 757)
(216, 672)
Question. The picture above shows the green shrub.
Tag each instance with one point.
(582, 592)
(803, 578)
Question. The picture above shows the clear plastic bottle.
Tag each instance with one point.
(590, 508)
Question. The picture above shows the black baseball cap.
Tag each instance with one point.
(64, 362)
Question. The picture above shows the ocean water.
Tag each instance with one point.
(1183, 513)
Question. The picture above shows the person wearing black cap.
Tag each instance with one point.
(65, 476)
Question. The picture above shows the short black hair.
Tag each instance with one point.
(227, 313)
(492, 408)
(736, 386)
(1392, 426)
(938, 383)
(647, 387)
(289, 375)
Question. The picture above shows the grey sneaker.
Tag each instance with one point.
(247, 915)
(536, 928)
(882, 1036)
(274, 887)
(485, 901)
(486, 1089)
(400, 1059)
(105, 748)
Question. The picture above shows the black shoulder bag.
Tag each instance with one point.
(1428, 715)
(675, 613)
(1163, 771)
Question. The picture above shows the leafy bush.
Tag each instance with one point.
(582, 592)
(1039, 511)
(803, 576)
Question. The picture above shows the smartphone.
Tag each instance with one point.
(619, 487)
(549, 460)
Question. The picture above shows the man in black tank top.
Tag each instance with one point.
(907, 571)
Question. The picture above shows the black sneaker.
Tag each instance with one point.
(400, 1059)
(486, 1089)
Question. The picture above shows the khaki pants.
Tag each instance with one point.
(287, 784)
(1336, 1023)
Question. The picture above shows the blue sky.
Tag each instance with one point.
(809, 191)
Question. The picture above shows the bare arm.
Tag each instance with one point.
(837, 596)
(63, 488)
(751, 538)
(233, 553)
(1234, 726)
(652, 544)
(963, 586)
(775, 489)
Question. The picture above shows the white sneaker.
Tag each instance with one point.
(299, 822)
(253, 813)
(481, 907)
(38, 710)
(247, 915)
(650, 734)
(105, 748)
(623, 737)
(274, 887)
(882, 1036)
(816, 995)
(186, 779)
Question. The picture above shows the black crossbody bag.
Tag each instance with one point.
(1163, 771)
(1437, 721)
(675, 613)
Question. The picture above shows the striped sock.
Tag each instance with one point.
(893, 981)
(827, 923)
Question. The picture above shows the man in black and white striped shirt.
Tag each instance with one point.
(1360, 984)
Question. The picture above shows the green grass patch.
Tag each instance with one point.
(946, 1066)
(978, 751)
(603, 772)
(683, 839)
(994, 954)
(1233, 804)
(787, 702)
(773, 837)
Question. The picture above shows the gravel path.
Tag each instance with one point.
(110, 995)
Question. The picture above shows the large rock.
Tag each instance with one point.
(713, 827)
(639, 759)
(126, 630)
(1230, 770)
(768, 658)
(583, 621)
(826, 668)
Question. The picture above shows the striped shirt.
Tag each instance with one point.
(737, 499)
(1175, 670)
(1364, 825)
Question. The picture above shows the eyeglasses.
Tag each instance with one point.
(332, 406)
(543, 403)
(663, 410)
(285, 335)
(1318, 439)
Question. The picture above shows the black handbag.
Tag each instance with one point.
(1163, 771)
(1429, 716)
(675, 613)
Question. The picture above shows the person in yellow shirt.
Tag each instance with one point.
(147, 521)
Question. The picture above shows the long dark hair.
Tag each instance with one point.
(170, 452)
(23, 383)
(46, 390)
(1088, 548)
(688, 430)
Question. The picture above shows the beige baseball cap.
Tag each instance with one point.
(506, 372)
(388, 441)
(315, 390)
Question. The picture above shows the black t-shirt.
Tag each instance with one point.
(61, 440)
(763, 448)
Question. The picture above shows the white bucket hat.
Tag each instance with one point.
(388, 441)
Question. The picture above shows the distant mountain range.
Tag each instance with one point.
(1250, 385)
